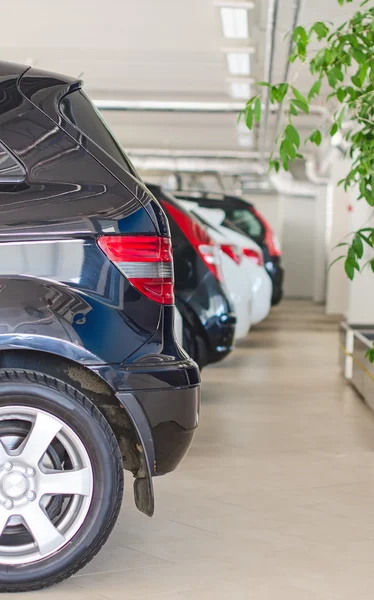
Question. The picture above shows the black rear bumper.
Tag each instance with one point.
(163, 402)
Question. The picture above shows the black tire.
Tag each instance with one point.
(27, 388)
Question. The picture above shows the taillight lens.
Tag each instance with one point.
(207, 249)
(146, 261)
(232, 252)
(254, 256)
(270, 239)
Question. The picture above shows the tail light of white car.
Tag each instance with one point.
(204, 245)
(254, 255)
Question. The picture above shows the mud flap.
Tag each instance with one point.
(143, 485)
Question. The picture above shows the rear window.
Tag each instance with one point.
(247, 222)
(78, 109)
(11, 170)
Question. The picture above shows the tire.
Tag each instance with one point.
(88, 484)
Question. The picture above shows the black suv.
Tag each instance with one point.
(209, 319)
(91, 378)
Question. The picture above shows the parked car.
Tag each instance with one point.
(249, 221)
(92, 379)
(235, 275)
(209, 320)
(252, 261)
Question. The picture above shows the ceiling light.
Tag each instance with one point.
(240, 89)
(238, 63)
(234, 22)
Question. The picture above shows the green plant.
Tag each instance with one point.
(345, 61)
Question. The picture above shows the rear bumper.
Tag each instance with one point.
(262, 297)
(276, 273)
(163, 402)
(173, 416)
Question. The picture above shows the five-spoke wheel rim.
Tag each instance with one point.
(30, 482)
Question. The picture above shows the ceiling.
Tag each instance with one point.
(165, 50)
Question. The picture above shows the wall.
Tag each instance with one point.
(338, 224)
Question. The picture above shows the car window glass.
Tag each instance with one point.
(246, 221)
(11, 170)
(77, 108)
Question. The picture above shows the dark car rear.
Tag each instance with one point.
(208, 314)
(91, 377)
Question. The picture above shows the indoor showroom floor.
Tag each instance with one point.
(275, 500)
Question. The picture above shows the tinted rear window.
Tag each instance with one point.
(246, 221)
(77, 108)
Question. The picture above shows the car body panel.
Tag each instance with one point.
(201, 299)
(60, 295)
(253, 226)
(261, 283)
(237, 284)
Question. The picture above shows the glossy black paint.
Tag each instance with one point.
(200, 298)
(228, 204)
(59, 294)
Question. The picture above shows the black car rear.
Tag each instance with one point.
(208, 314)
(92, 379)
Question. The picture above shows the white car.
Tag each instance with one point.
(261, 284)
(236, 281)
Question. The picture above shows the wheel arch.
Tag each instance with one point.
(134, 444)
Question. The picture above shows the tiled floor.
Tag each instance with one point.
(275, 500)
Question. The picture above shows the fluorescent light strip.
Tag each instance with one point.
(234, 22)
(238, 63)
(240, 89)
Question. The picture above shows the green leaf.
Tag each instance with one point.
(300, 34)
(315, 89)
(349, 269)
(249, 117)
(257, 110)
(287, 149)
(356, 81)
(363, 72)
(282, 91)
(359, 56)
(298, 95)
(293, 135)
(340, 118)
(293, 110)
(274, 164)
(320, 29)
(341, 94)
(358, 246)
(316, 137)
(301, 105)
(370, 354)
(263, 83)
(372, 264)
(333, 129)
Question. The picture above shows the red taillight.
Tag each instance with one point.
(270, 241)
(254, 256)
(207, 249)
(146, 261)
(231, 252)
